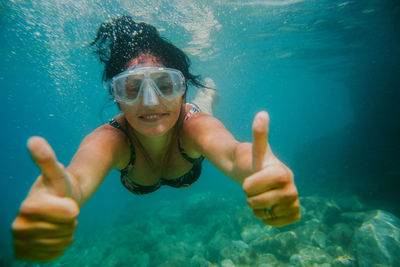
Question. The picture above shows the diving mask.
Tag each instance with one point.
(148, 82)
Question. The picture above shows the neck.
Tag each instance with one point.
(155, 147)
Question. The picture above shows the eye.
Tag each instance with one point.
(166, 87)
(132, 87)
(163, 82)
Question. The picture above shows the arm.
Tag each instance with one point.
(267, 182)
(47, 218)
(209, 137)
(101, 151)
(104, 149)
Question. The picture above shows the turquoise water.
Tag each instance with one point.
(326, 71)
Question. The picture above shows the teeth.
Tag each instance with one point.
(151, 117)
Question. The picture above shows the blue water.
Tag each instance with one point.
(328, 73)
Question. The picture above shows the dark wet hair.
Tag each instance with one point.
(122, 39)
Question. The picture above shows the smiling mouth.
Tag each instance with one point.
(152, 117)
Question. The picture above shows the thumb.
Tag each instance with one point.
(260, 139)
(54, 175)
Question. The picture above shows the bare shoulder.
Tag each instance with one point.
(201, 129)
(199, 120)
(196, 120)
(109, 140)
(107, 131)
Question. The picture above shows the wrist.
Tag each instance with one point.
(242, 162)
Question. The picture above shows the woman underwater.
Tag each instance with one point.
(158, 139)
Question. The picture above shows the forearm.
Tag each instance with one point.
(99, 153)
(242, 165)
(86, 178)
(76, 190)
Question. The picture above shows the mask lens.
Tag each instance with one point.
(167, 82)
(164, 82)
(132, 86)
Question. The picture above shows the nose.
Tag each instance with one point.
(149, 94)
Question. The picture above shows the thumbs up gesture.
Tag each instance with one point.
(270, 189)
(46, 221)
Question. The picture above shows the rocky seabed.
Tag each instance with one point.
(210, 231)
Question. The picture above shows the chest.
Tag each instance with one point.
(169, 166)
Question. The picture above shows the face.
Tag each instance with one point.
(151, 119)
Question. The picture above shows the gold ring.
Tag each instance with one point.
(268, 213)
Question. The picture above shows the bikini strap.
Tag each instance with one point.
(195, 109)
(114, 123)
(184, 155)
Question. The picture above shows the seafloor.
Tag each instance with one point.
(205, 230)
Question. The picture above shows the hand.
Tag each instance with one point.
(46, 221)
(270, 190)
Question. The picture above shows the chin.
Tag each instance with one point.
(156, 128)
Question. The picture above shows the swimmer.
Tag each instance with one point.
(157, 140)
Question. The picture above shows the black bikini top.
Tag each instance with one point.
(183, 181)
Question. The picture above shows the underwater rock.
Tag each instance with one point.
(196, 248)
(171, 264)
(130, 232)
(314, 223)
(350, 204)
(267, 260)
(326, 210)
(306, 230)
(142, 259)
(227, 263)
(123, 256)
(216, 222)
(310, 243)
(378, 240)
(281, 245)
(265, 240)
(353, 218)
(342, 235)
(309, 208)
(335, 251)
(264, 243)
(251, 232)
(198, 261)
(235, 251)
(310, 202)
(286, 245)
(219, 241)
(202, 201)
(303, 212)
(196, 207)
(344, 261)
(310, 256)
(169, 213)
(331, 212)
(319, 238)
(244, 217)
(173, 250)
